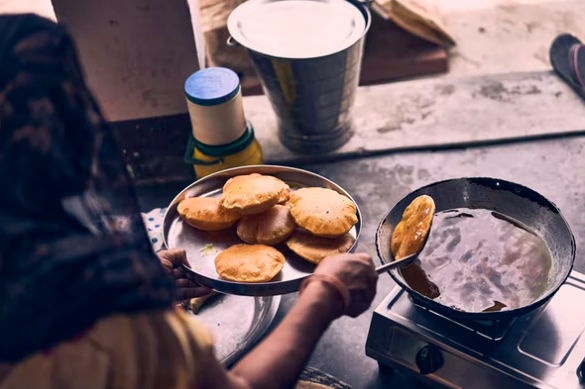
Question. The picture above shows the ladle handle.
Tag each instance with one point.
(400, 263)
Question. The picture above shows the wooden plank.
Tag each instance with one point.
(136, 54)
(392, 53)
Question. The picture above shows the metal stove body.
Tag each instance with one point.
(543, 349)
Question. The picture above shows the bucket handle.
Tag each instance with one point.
(232, 42)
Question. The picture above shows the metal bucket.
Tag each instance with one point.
(312, 96)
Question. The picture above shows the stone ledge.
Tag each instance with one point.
(427, 114)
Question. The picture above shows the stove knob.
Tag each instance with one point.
(581, 372)
(429, 359)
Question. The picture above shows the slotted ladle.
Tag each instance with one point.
(404, 261)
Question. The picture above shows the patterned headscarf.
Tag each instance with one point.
(73, 248)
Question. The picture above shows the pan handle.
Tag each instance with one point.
(399, 263)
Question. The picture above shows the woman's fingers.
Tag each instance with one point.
(189, 289)
(177, 257)
(186, 283)
(178, 273)
(172, 261)
(193, 292)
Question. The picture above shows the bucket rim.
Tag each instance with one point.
(232, 22)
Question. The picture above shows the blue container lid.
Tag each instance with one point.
(212, 86)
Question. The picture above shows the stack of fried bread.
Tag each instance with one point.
(313, 222)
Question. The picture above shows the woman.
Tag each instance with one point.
(84, 303)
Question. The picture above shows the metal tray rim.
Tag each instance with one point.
(257, 288)
(268, 315)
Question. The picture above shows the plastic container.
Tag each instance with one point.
(221, 136)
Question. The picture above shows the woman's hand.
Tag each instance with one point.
(279, 359)
(358, 274)
(172, 260)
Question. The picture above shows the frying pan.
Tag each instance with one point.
(507, 198)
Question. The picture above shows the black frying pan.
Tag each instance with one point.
(510, 199)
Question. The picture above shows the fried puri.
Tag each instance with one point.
(249, 263)
(323, 212)
(315, 249)
(284, 195)
(205, 213)
(410, 233)
(253, 195)
(270, 227)
(236, 179)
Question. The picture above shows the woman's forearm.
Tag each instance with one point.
(279, 359)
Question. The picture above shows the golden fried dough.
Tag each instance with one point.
(409, 235)
(196, 303)
(270, 227)
(284, 195)
(236, 179)
(205, 213)
(315, 249)
(253, 195)
(249, 263)
(323, 212)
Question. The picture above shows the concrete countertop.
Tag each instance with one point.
(440, 113)
(412, 116)
(555, 168)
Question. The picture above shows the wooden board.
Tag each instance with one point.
(392, 53)
(136, 54)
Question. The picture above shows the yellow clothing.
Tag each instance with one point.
(157, 349)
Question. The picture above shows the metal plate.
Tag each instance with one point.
(237, 323)
(177, 234)
(298, 29)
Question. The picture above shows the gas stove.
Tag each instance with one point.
(543, 349)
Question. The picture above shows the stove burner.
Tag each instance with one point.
(542, 349)
(494, 330)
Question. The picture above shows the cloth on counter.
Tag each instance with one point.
(153, 221)
(73, 247)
